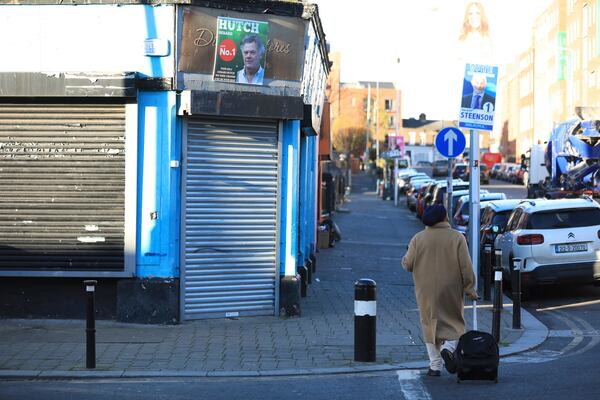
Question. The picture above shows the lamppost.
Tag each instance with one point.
(397, 132)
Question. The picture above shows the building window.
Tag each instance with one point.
(390, 121)
(422, 138)
(389, 104)
(411, 137)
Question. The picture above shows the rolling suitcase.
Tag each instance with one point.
(477, 357)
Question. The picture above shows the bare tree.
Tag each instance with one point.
(350, 140)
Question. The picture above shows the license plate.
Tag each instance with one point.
(570, 247)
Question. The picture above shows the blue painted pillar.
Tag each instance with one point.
(304, 202)
(312, 201)
(289, 204)
(158, 186)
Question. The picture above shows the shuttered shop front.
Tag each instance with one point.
(230, 218)
(62, 173)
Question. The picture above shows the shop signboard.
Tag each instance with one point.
(201, 42)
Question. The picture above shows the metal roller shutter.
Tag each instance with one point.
(230, 219)
(62, 174)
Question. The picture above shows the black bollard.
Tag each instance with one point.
(365, 323)
(516, 293)
(497, 307)
(308, 271)
(90, 325)
(498, 267)
(303, 272)
(313, 260)
(487, 272)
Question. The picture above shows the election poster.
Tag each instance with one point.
(478, 101)
(240, 50)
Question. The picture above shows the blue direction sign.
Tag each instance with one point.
(450, 142)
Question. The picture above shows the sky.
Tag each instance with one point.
(372, 34)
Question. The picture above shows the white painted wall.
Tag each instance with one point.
(95, 38)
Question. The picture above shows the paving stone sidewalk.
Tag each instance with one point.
(374, 238)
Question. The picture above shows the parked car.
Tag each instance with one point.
(425, 196)
(494, 218)
(442, 188)
(413, 192)
(518, 174)
(495, 170)
(456, 195)
(462, 214)
(507, 172)
(460, 171)
(440, 167)
(557, 240)
(484, 175)
(405, 178)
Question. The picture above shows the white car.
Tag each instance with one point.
(557, 240)
(461, 214)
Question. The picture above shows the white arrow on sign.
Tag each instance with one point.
(450, 137)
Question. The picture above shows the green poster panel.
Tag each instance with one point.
(240, 50)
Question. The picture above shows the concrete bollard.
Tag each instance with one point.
(90, 324)
(365, 320)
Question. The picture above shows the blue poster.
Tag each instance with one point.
(478, 101)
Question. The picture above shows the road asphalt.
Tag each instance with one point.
(375, 234)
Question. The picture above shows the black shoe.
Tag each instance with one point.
(449, 361)
(433, 372)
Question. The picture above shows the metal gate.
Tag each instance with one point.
(62, 176)
(230, 219)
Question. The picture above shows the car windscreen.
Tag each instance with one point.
(566, 218)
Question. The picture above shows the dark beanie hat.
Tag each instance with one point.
(434, 214)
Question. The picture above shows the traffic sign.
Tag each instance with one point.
(450, 142)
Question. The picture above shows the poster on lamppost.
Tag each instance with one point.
(478, 101)
(240, 50)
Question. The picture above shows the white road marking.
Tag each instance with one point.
(411, 385)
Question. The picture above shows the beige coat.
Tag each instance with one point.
(439, 260)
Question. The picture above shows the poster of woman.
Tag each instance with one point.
(475, 42)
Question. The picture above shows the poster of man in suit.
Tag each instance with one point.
(478, 97)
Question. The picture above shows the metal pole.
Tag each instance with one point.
(474, 210)
(377, 126)
(395, 144)
(395, 181)
(90, 325)
(365, 320)
(516, 293)
(449, 190)
(487, 271)
(366, 157)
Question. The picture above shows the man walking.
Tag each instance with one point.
(439, 260)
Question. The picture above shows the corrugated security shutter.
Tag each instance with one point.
(62, 180)
(230, 219)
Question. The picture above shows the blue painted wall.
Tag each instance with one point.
(158, 186)
(288, 236)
